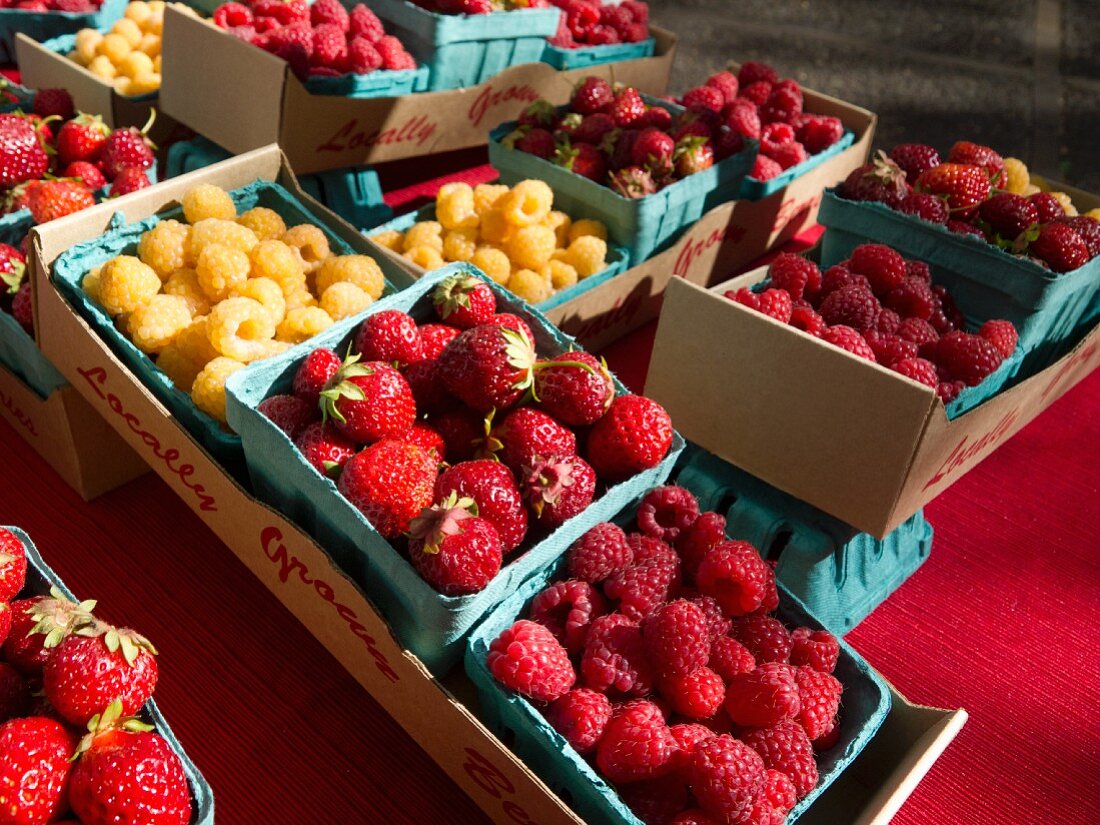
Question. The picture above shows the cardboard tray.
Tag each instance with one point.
(266, 104)
(44, 25)
(849, 437)
(302, 575)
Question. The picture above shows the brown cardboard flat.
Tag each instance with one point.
(848, 436)
(266, 103)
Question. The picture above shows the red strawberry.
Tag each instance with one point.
(39, 624)
(594, 94)
(53, 103)
(582, 159)
(694, 154)
(13, 565)
(488, 367)
(15, 695)
(653, 149)
(492, 487)
(975, 154)
(538, 142)
(130, 179)
(82, 138)
(453, 549)
(464, 301)
(964, 187)
(541, 114)
(628, 107)
(22, 157)
(428, 439)
(390, 482)
(318, 368)
(575, 387)
(126, 147)
(594, 128)
(34, 769)
(914, 159)
(633, 182)
(369, 401)
(390, 336)
(287, 412)
(22, 308)
(634, 435)
(525, 435)
(325, 447)
(558, 488)
(881, 180)
(463, 430)
(1061, 247)
(87, 172)
(435, 338)
(55, 199)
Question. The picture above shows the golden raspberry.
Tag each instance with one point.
(586, 226)
(216, 231)
(1066, 202)
(125, 284)
(194, 342)
(86, 42)
(486, 196)
(267, 224)
(164, 247)
(144, 84)
(102, 67)
(156, 325)
(280, 263)
(561, 275)
(561, 224)
(460, 244)
(454, 206)
(208, 391)
(302, 324)
(221, 269)
(150, 44)
(114, 47)
(238, 327)
(129, 30)
(361, 270)
(90, 284)
(344, 299)
(1017, 177)
(588, 255)
(390, 239)
(268, 293)
(495, 229)
(424, 233)
(311, 243)
(135, 64)
(300, 298)
(138, 11)
(178, 367)
(426, 257)
(531, 246)
(530, 286)
(528, 203)
(122, 323)
(184, 282)
(493, 262)
(207, 201)
(1094, 214)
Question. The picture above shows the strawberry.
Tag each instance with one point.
(127, 147)
(694, 154)
(82, 138)
(39, 624)
(594, 128)
(22, 157)
(628, 107)
(15, 695)
(318, 368)
(325, 448)
(13, 267)
(463, 430)
(541, 114)
(594, 94)
(974, 154)
(537, 141)
(634, 435)
(368, 401)
(633, 182)
(453, 549)
(1061, 247)
(464, 301)
(55, 199)
(129, 179)
(22, 308)
(13, 565)
(881, 180)
(287, 412)
(34, 770)
(525, 435)
(653, 150)
(915, 158)
(488, 367)
(492, 487)
(964, 187)
(575, 387)
(53, 103)
(390, 482)
(582, 159)
(558, 487)
(390, 336)
(87, 172)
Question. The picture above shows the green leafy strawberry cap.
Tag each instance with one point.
(14, 280)
(110, 719)
(688, 145)
(885, 170)
(434, 524)
(515, 136)
(92, 122)
(547, 479)
(57, 617)
(129, 642)
(542, 111)
(341, 386)
(453, 293)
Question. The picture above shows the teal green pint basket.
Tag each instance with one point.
(431, 625)
(755, 190)
(584, 56)
(40, 580)
(20, 354)
(46, 24)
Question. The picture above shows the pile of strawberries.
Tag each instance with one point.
(757, 104)
(592, 23)
(658, 659)
(467, 392)
(15, 294)
(70, 685)
(978, 192)
(881, 307)
(319, 40)
(67, 6)
(613, 137)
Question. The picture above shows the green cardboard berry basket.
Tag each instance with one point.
(865, 704)
(71, 267)
(753, 189)
(24, 97)
(466, 49)
(44, 25)
(40, 580)
(379, 83)
(585, 56)
(616, 257)
(431, 625)
(20, 354)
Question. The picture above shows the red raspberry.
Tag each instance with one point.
(694, 816)
(580, 716)
(888, 321)
(745, 297)
(726, 83)
(764, 168)
(677, 638)
(918, 369)
(837, 277)
(775, 303)
(912, 298)
(1009, 215)
(567, 609)
(775, 135)
(696, 541)
(363, 57)
(967, 358)
(828, 739)
(765, 638)
(688, 735)
(914, 158)
(925, 206)
(318, 368)
(325, 448)
(765, 696)
(391, 336)
(918, 331)
(919, 270)
(805, 319)
(797, 275)
(818, 649)
(1049, 207)
(717, 623)
(789, 154)
(528, 659)
(330, 48)
(819, 699)
(883, 266)
(741, 117)
(780, 791)
(849, 340)
(726, 776)
(735, 576)
(641, 588)
(288, 412)
(770, 602)
(728, 658)
(890, 348)
(614, 657)
(394, 56)
(1060, 247)
(819, 132)
(329, 11)
(852, 306)
(600, 553)
(948, 391)
(782, 106)
(753, 71)
(786, 748)
(698, 695)
(666, 512)
(1001, 334)
(656, 800)
(756, 93)
(636, 744)
(228, 15)
(704, 98)
(1088, 228)
(638, 10)
(365, 23)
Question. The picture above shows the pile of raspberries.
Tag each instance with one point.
(591, 23)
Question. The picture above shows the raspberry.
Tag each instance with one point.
(779, 790)
(728, 658)
(775, 303)
(742, 118)
(914, 158)
(919, 270)
(773, 136)
(704, 98)
(566, 609)
(912, 298)
(925, 206)
(180, 369)
(797, 275)
(587, 254)
(1001, 334)
(753, 71)
(156, 324)
(125, 284)
(343, 300)
(666, 512)
(786, 748)
(918, 331)
(599, 553)
(287, 412)
(967, 358)
(240, 328)
(1060, 247)
(726, 83)
(311, 244)
(888, 322)
(818, 649)
(677, 639)
(642, 587)
(194, 343)
(839, 276)
(614, 657)
(852, 306)
(698, 538)
(331, 12)
(726, 776)
(361, 270)
(756, 93)
(805, 319)
(1009, 215)
(819, 699)
(363, 57)
(529, 660)
(208, 391)
(917, 369)
(770, 602)
(883, 266)
(764, 168)
(164, 247)
(364, 23)
(745, 297)
(889, 348)
(394, 55)
(216, 231)
(789, 154)
(849, 340)
(636, 744)
(581, 716)
(734, 575)
(948, 391)
(819, 132)
(656, 800)
(207, 201)
(764, 696)
(302, 323)
(764, 637)
(717, 623)
(697, 695)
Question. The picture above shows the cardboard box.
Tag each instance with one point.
(262, 102)
(850, 437)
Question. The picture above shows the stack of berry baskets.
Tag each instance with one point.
(187, 297)
(591, 33)
(15, 96)
(42, 19)
(661, 675)
(429, 547)
(91, 741)
(1003, 247)
(513, 235)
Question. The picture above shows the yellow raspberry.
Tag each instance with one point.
(302, 324)
(486, 196)
(311, 244)
(529, 285)
(164, 247)
(266, 224)
(194, 342)
(207, 201)
(561, 275)
(1066, 202)
(143, 84)
(424, 233)
(156, 325)
(114, 47)
(138, 11)
(155, 23)
(268, 294)
(390, 239)
(495, 229)
(125, 284)
(1094, 214)
(361, 270)
(130, 30)
(426, 257)
(221, 269)
(493, 262)
(150, 44)
(280, 263)
(588, 255)
(184, 282)
(208, 391)
(180, 369)
(238, 327)
(460, 244)
(561, 224)
(528, 203)
(216, 231)
(102, 67)
(90, 284)
(86, 42)
(454, 206)
(135, 63)
(344, 299)
(156, 63)
(1017, 177)
(560, 255)
(531, 246)
(300, 298)
(122, 85)
(122, 323)
(587, 226)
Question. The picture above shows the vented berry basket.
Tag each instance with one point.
(40, 580)
(754, 190)
(379, 83)
(15, 97)
(65, 44)
(20, 354)
(431, 625)
(584, 56)
(44, 25)
(467, 49)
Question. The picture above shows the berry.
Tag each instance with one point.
(925, 206)
(977, 155)
(704, 98)
(696, 540)
(964, 187)
(805, 319)
(757, 93)
(964, 228)
(948, 391)
(883, 267)
(15, 695)
(454, 550)
(529, 660)
(595, 127)
(818, 649)
(581, 716)
(696, 695)
(628, 107)
(34, 769)
(828, 739)
(890, 348)
(836, 277)
(849, 340)
(634, 435)
(881, 180)
(1002, 334)
(368, 401)
(600, 553)
(819, 132)
(666, 512)
(743, 119)
(912, 298)
(287, 412)
(462, 430)
(797, 275)
(1009, 215)
(575, 387)
(786, 748)
(324, 447)
(852, 306)
(914, 159)
(717, 623)
(967, 358)
(558, 488)
(774, 136)
(818, 698)
(1089, 230)
(726, 776)
(696, 154)
(231, 15)
(753, 72)
(493, 489)
(653, 149)
(488, 366)
(764, 696)
(917, 369)
(677, 638)
(733, 574)
(764, 637)
(314, 374)
(22, 157)
(13, 566)
(636, 744)
(728, 658)
(390, 482)
(594, 94)
(918, 331)
(54, 103)
(435, 337)
(125, 147)
(129, 179)
(363, 57)
(391, 336)
(567, 609)
(525, 435)
(1060, 247)
(779, 789)
(464, 301)
(726, 83)
(775, 303)
(1049, 207)
(331, 12)
(657, 800)
(55, 199)
(645, 585)
(614, 657)
(538, 142)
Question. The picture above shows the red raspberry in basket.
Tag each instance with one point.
(666, 512)
(756, 93)
(717, 623)
(818, 649)
(394, 55)
(764, 696)
(775, 303)
(914, 159)
(581, 716)
(364, 23)
(704, 98)
(948, 391)
(912, 298)
(614, 657)
(228, 15)
(696, 695)
(331, 12)
(770, 602)
(1001, 334)
(925, 206)
(288, 412)
(726, 776)
(600, 553)
(805, 319)
(881, 180)
(330, 48)
(728, 658)
(918, 331)
(966, 357)
(775, 135)
(493, 488)
(889, 349)
(819, 132)
(888, 322)
(643, 586)
(634, 435)
(318, 368)
(636, 744)
(789, 154)
(363, 57)
(819, 699)
(1060, 247)
(677, 638)
(837, 277)
(688, 736)
(764, 637)
(726, 83)
(390, 482)
(1009, 215)
(918, 369)
(735, 576)
(578, 392)
(558, 488)
(753, 71)
(694, 542)
(567, 609)
(325, 448)
(744, 296)
(525, 435)
(656, 800)
(391, 336)
(779, 790)
(694, 816)
(883, 266)
(786, 748)
(852, 306)
(286, 12)
(528, 659)
(741, 117)
(848, 339)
